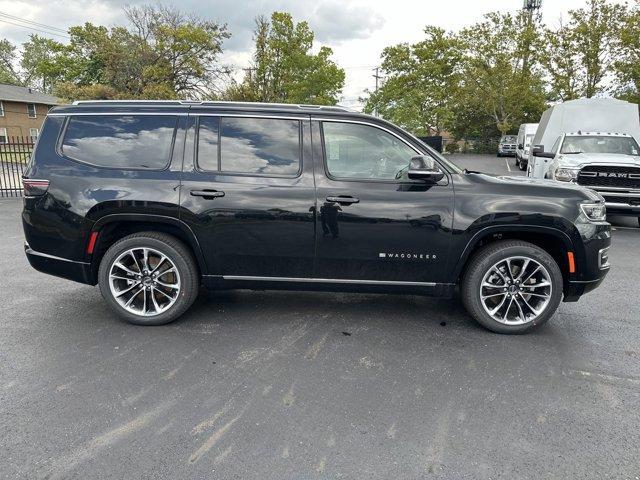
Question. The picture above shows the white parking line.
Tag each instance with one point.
(506, 160)
(635, 229)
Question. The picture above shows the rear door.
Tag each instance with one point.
(248, 194)
(374, 226)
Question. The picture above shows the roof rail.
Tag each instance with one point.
(335, 108)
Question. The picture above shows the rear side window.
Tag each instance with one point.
(127, 141)
(254, 146)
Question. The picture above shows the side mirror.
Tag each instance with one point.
(424, 168)
(520, 146)
(538, 151)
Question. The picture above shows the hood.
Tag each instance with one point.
(579, 160)
(551, 187)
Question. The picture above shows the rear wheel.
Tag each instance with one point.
(512, 286)
(148, 278)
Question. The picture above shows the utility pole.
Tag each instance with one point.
(530, 6)
(377, 76)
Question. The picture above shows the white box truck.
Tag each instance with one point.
(592, 142)
(526, 132)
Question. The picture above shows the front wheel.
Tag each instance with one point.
(148, 278)
(512, 286)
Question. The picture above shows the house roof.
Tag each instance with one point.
(15, 93)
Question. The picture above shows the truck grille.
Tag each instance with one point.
(609, 176)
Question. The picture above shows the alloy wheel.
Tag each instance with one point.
(516, 290)
(144, 281)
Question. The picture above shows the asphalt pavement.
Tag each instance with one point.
(282, 385)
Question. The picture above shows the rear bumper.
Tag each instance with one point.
(60, 267)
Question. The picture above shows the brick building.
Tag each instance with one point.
(22, 111)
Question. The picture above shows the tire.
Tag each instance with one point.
(517, 161)
(164, 294)
(521, 166)
(481, 271)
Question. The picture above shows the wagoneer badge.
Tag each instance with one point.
(408, 256)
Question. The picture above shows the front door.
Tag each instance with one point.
(248, 194)
(374, 224)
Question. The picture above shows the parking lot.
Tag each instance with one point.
(279, 385)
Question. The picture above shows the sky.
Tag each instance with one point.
(356, 30)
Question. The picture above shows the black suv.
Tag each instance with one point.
(151, 199)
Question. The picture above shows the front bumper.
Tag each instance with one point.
(592, 265)
(60, 267)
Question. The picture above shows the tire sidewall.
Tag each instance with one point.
(186, 281)
(474, 279)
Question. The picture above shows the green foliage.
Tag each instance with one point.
(284, 69)
(627, 63)
(502, 85)
(7, 60)
(421, 81)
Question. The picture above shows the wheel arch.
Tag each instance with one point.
(110, 228)
(552, 240)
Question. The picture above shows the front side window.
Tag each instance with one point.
(31, 110)
(127, 141)
(356, 151)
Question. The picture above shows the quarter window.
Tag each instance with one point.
(127, 141)
(257, 146)
(31, 110)
(364, 152)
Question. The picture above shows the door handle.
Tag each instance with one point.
(207, 194)
(343, 199)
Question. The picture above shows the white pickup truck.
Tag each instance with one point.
(606, 162)
(602, 153)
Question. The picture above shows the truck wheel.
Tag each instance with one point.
(517, 161)
(511, 286)
(148, 278)
(521, 166)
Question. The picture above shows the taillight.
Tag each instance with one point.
(34, 188)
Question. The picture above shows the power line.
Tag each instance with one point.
(37, 24)
(34, 28)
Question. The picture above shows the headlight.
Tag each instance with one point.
(596, 212)
(566, 175)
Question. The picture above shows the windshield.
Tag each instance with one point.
(508, 139)
(600, 144)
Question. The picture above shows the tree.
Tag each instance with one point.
(627, 65)
(164, 54)
(593, 32)
(501, 82)
(40, 63)
(284, 69)
(8, 73)
(562, 65)
(421, 81)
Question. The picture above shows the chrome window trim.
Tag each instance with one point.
(299, 118)
(324, 280)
